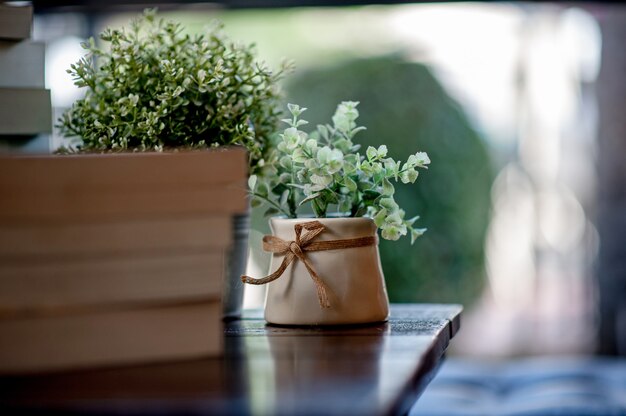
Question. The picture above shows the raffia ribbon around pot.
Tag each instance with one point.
(292, 250)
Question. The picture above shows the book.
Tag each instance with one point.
(22, 64)
(27, 286)
(55, 340)
(99, 239)
(15, 21)
(25, 111)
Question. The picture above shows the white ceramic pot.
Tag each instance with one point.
(353, 278)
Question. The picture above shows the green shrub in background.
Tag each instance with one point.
(405, 107)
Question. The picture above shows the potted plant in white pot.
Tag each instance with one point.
(153, 88)
(326, 271)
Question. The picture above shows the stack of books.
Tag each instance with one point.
(25, 107)
(114, 258)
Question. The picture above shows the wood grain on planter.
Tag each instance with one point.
(110, 336)
(105, 238)
(135, 185)
(117, 279)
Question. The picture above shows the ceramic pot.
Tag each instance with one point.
(353, 278)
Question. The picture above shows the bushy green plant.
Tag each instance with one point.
(154, 87)
(324, 169)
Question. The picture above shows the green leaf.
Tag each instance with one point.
(350, 184)
(323, 180)
(409, 176)
(356, 130)
(298, 156)
(367, 168)
(370, 195)
(316, 188)
(330, 198)
(324, 154)
(280, 188)
(394, 218)
(348, 168)
(392, 167)
(416, 232)
(351, 158)
(262, 189)
(389, 203)
(344, 205)
(271, 211)
(371, 153)
(311, 164)
(411, 221)
(284, 177)
(255, 202)
(391, 233)
(343, 144)
(422, 159)
(309, 198)
(285, 162)
(252, 182)
(388, 189)
(311, 145)
(360, 212)
(284, 197)
(323, 131)
(294, 109)
(379, 218)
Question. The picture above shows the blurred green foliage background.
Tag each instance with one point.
(404, 106)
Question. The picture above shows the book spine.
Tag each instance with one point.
(22, 64)
(110, 281)
(15, 22)
(110, 337)
(25, 111)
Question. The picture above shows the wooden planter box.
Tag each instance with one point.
(115, 258)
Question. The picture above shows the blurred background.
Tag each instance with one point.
(505, 99)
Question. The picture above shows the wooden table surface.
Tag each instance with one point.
(377, 369)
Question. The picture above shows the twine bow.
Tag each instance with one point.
(292, 250)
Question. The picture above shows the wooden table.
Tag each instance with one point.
(377, 369)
